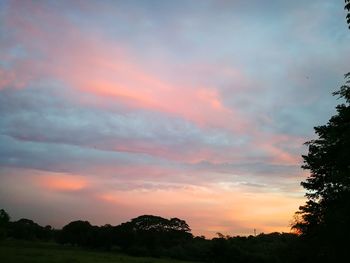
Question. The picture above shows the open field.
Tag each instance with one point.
(15, 251)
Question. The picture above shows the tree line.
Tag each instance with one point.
(154, 236)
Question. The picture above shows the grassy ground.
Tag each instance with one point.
(15, 251)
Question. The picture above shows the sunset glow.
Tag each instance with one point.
(189, 109)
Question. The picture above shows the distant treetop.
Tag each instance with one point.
(157, 223)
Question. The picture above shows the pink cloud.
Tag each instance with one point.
(91, 63)
(104, 68)
(62, 182)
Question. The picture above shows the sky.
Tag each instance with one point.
(190, 109)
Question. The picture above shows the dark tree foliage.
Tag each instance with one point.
(4, 222)
(177, 224)
(152, 235)
(77, 233)
(29, 230)
(325, 217)
(159, 237)
(4, 217)
(347, 7)
(274, 247)
(157, 223)
(82, 233)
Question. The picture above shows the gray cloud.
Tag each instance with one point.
(47, 115)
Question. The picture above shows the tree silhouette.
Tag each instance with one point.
(152, 235)
(325, 216)
(4, 222)
(347, 7)
(27, 229)
(177, 224)
(4, 217)
(160, 224)
(77, 233)
(149, 223)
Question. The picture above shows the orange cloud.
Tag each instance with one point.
(62, 182)
(230, 208)
(213, 208)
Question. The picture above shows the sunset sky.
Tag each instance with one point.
(191, 109)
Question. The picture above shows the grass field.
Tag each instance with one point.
(15, 251)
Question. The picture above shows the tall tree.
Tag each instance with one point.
(4, 222)
(4, 217)
(347, 7)
(77, 233)
(325, 217)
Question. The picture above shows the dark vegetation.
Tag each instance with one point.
(324, 220)
(154, 236)
(23, 251)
